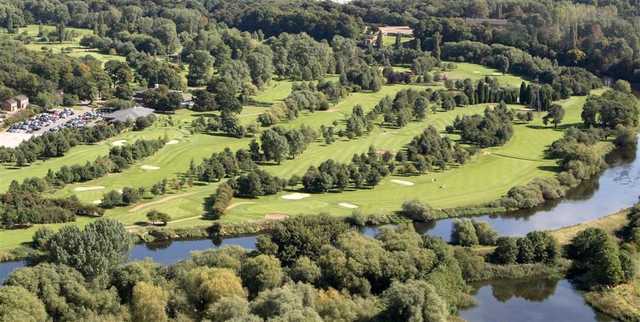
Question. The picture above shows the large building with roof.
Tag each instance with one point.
(15, 104)
(129, 114)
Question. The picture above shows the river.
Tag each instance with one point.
(615, 189)
(531, 300)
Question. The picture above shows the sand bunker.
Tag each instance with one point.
(173, 142)
(496, 74)
(347, 205)
(149, 167)
(296, 196)
(96, 202)
(119, 143)
(403, 182)
(82, 189)
(276, 216)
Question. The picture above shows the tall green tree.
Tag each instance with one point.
(97, 249)
(200, 68)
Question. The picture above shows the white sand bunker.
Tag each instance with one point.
(119, 143)
(496, 74)
(276, 216)
(82, 189)
(149, 167)
(403, 182)
(296, 196)
(96, 202)
(173, 142)
(347, 205)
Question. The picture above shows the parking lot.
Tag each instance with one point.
(47, 122)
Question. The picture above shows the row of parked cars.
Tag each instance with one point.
(55, 120)
(81, 120)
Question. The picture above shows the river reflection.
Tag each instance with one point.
(8, 267)
(616, 188)
(171, 252)
(539, 300)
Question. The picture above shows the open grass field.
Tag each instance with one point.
(71, 48)
(476, 72)
(487, 176)
(389, 40)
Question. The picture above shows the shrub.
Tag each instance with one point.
(417, 210)
(464, 233)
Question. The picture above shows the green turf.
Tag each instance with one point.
(72, 47)
(390, 41)
(476, 72)
(487, 176)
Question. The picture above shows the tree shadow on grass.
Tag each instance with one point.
(561, 127)
(550, 168)
(207, 204)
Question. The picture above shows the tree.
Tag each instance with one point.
(261, 272)
(417, 210)
(10, 27)
(436, 39)
(596, 256)
(119, 72)
(65, 293)
(414, 301)
(622, 85)
(208, 285)
(305, 270)
(200, 68)
(100, 247)
(464, 233)
(305, 236)
(486, 234)
(555, 115)
(155, 217)
(18, 304)
(231, 308)
(149, 303)
(204, 101)
(506, 251)
(274, 146)
(60, 31)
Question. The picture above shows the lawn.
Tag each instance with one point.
(389, 40)
(71, 48)
(487, 176)
(476, 72)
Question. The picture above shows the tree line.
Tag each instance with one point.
(24, 204)
(491, 129)
(56, 144)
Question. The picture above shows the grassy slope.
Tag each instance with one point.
(74, 45)
(476, 72)
(486, 177)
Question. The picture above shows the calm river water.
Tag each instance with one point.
(538, 300)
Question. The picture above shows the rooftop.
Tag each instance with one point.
(129, 114)
(402, 30)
